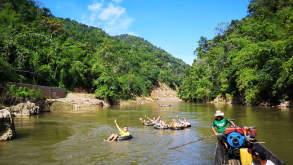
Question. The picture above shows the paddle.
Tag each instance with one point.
(193, 141)
(258, 142)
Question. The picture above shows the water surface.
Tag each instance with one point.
(77, 138)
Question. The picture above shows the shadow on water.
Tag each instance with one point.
(21, 135)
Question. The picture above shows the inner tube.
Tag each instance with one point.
(159, 127)
(176, 128)
(124, 138)
(148, 124)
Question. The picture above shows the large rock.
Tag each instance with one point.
(77, 101)
(7, 130)
(26, 109)
(286, 104)
(44, 105)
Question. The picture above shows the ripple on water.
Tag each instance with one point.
(149, 146)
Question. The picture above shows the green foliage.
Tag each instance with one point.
(196, 85)
(38, 48)
(249, 59)
(6, 74)
(24, 92)
(107, 88)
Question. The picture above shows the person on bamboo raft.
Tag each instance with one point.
(122, 133)
(219, 125)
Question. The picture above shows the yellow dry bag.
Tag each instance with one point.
(245, 157)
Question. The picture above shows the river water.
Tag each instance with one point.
(76, 138)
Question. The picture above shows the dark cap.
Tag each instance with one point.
(259, 152)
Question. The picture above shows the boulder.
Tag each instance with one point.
(27, 109)
(77, 101)
(286, 104)
(7, 130)
(219, 100)
(44, 106)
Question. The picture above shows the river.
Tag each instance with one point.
(75, 138)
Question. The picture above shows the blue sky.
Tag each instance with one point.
(173, 25)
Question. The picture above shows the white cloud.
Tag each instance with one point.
(111, 12)
(118, 26)
(112, 17)
(117, 1)
(95, 6)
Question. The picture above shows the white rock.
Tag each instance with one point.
(7, 130)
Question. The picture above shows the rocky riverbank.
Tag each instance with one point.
(162, 94)
(7, 130)
(238, 101)
(77, 101)
(29, 108)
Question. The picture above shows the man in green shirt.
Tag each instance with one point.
(219, 125)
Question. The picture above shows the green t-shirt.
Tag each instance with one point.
(221, 125)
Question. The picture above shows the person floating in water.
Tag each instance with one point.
(219, 125)
(143, 121)
(184, 123)
(122, 133)
(154, 120)
(161, 125)
(175, 124)
(146, 122)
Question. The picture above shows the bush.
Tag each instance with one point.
(24, 92)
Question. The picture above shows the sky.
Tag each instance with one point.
(173, 25)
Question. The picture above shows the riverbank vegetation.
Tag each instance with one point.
(250, 60)
(13, 95)
(24, 92)
(38, 48)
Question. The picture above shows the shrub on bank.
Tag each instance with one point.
(11, 95)
(24, 92)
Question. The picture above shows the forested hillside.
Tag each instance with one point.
(38, 48)
(170, 69)
(250, 59)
